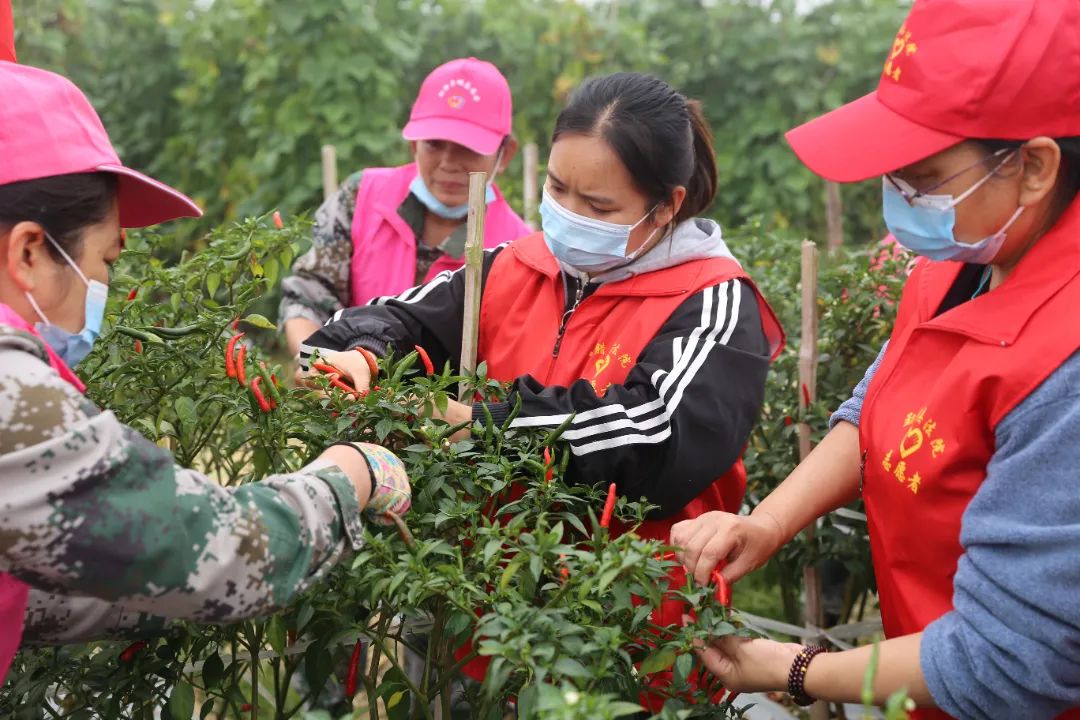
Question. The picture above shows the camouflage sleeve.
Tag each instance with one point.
(90, 507)
(320, 283)
(52, 619)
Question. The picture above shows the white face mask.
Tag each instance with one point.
(587, 245)
(73, 347)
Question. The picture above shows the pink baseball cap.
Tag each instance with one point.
(48, 127)
(466, 101)
(956, 70)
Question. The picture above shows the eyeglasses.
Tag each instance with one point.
(910, 195)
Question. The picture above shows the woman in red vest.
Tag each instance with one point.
(628, 312)
(388, 229)
(964, 437)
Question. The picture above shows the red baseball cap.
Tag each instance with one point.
(957, 70)
(465, 101)
(48, 127)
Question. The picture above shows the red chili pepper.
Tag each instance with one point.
(230, 361)
(246, 707)
(277, 220)
(731, 697)
(789, 421)
(235, 323)
(264, 404)
(138, 346)
(806, 394)
(354, 667)
(324, 368)
(131, 651)
(723, 589)
(132, 294)
(609, 507)
(372, 361)
(344, 387)
(426, 359)
(550, 463)
(241, 366)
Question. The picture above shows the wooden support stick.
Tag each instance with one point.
(329, 171)
(808, 360)
(474, 260)
(834, 215)
(532, 174)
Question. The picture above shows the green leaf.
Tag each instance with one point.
(186, 411)
(259, 321)
(659, 661)
(621, 708)
(318, 664)
(182, 701)
(213, 281)
(571, 668)
(275, 634)
(684, 665)
(213, 670)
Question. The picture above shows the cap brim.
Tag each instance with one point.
(479, 140)
(144, 201)
(864, 139)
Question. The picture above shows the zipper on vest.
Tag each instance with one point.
(579, 291)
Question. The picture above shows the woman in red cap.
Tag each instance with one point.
(389, 229)
(964, 437)
(188, 548)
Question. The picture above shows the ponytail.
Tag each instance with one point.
(701, 188)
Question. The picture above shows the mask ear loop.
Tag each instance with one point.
(498, 162)
(76, 268)
(986, 178)
(37, 309)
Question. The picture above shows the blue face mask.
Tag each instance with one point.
(925, 226)
(73, 347)
(584, 244)
(458, 212)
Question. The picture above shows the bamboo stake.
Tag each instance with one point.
(808, 350)
(808, 360)
(532, 174)
(474, 260)
(329, 171)
(834, 215)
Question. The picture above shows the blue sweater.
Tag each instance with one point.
(1011, 646)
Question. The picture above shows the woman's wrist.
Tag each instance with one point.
(350, 459)
(779, 536)
(796, 680)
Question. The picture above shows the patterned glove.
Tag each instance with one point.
(390, 489)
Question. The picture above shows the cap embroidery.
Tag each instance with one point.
(902, 47)
(460, 89)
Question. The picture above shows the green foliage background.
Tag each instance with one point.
(230, 100)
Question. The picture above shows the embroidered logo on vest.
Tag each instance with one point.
(602, 355)
(918, 436)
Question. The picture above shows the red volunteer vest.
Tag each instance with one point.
(928, 420)
(522, 308)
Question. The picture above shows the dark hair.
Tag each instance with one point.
(64, 205)
(661, 137)
(1068, 178)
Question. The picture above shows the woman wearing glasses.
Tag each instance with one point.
(964, 436)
